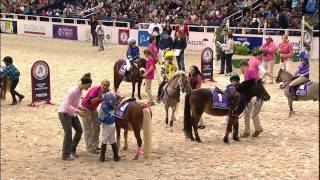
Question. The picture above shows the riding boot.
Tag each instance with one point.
(115, 152)
(103, 152)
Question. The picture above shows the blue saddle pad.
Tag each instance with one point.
(121, 110)
(303, 89)
(122, 70)
(219, 99)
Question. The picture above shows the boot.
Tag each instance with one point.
(103, 152)
(115, 152)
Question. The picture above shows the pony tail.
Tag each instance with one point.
(147, 129)
(187, 126)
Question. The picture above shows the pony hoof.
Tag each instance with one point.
(199, 141)
(236, 139)
(125, 148)
(192, 139)
(226, 141)
(140, 98)
(171, 123)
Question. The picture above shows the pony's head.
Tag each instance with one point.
(140, 69)
(253, 88)
(181, 79)
(283, 76)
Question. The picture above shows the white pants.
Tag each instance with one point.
(286, 65)
(108, 133)
(128, 63)
(269, 66)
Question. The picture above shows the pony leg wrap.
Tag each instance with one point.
(138, 152)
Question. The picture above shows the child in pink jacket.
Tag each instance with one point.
(269, 49)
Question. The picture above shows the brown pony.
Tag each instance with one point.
(200, 100)
(5, 84)
(137, 117)
(134, 77)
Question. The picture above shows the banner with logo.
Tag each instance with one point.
(9, 27)
(34, 29)
(143, 38)
(108, 35)
(65, 32)
(252, 42)
(207, 63)
(40, 80)
(123, 36)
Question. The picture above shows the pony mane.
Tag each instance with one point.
(287, 72)
(178, 73)
(245, 85)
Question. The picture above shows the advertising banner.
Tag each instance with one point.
(252, 42)
(108, 35)
(9, 27)
(34, 29)
(65, 32)
(123, 36)
(207, 63)
(40, 80)
(143, 38)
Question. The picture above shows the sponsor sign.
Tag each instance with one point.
(207, 63)
(34, 29)
(9, 27)
(40, 80)
(252, 42)
(65, 32)
(143, 38)
(108, 35)
(123, 36)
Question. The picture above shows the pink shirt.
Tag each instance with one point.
(254, 63)
(251, 74)
(269, 50)
(92, 93)
(286, 49)
(150, 63)
(71, 101)
(153, 48)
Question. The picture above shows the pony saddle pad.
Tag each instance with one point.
(219, 99)
(123, 69)
(121, 110)
(302, 90)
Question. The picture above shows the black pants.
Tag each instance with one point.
(157, 41)
(229, 63)
(160, 87)
(94, 38)
(223, 62)
(70, 144)
(13, 92)
(180, 61)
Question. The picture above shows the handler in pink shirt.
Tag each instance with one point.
(286, 52)
(149, 74)
(269, 49)
(91, 127)
(154, 52)
(254, 106)
(68, 112)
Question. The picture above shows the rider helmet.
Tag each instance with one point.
(235, 76)
(169, 54)
(304, 54)
(131, 41)
(110, 99)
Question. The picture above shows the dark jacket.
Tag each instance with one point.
(93, 25)
(179, 44)
(166, 43)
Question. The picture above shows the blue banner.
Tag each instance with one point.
(143, 38)
(252, 41)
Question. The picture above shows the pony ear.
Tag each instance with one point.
(246, 84)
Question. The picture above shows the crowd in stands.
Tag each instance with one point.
(276, 13)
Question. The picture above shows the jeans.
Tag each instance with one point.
(70, 144)
(100, 38)
(223, 62)
(94, 38)
(13, 92)
(180, 61)
(229, 63)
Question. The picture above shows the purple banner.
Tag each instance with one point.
(65, 32)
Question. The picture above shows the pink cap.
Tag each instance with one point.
(269, 37)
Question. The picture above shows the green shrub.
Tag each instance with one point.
(240, 49)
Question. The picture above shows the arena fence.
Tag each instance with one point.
(117, 32)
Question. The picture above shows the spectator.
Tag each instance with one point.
(184, 29)
(179, 45)
(100, 34)
(155, 29)
(165, 44)
(167, 26)
(93, 25)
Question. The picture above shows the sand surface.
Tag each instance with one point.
(31, 137)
